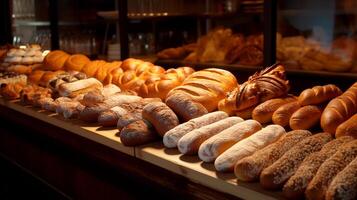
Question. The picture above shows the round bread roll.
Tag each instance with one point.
(36, 76)
(55, 60)
(76, 62)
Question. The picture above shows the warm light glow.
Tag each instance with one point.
(45, 52)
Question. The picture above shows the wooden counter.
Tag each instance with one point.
(169, 159)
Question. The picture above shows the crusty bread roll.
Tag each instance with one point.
(185, 107)
(339, 110)
(217, 144)
(91, 113)
(263, 112)
(329, 169)
(295, 187)
(76, 62)
(305, 117)
(318, 94)
(91, 68)
(283, 114)
(55, 60)
(138, 132)
(207, 86)
(172, 136)
(348, 127)
(110, 117)
(247, 146)
(36, 76)
(249, 168)
(79, 87)
(274, 176)
(161, 116)
(190, 143)
(246, 113)
(344, 185)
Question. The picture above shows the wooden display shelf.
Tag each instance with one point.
(203, 173)
(92, 132)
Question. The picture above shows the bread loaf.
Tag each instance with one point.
(339, 110)
(190, 142)
(55, 60)
(79, 87)
(263, 113)
(274, 176)
(305, 117)
(91, 68)
(296, 185)
(247, 146)
(138, 132)
(249, 168)
(217, 144)
(110, 117)
(172, 136)
(283, 114)
(161, 116)
(91, 113)
(246, 113)
(207, 87)
(185, 107)
(319, 94)
(76, 62)
(344, 185)
(348, 127)
(329, 169)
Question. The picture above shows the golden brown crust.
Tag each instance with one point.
(283, 114)
(319, 94)
(349, 127)
(76, 62)
(55, 60)
(305, 117)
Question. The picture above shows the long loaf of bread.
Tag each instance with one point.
(319, 94)
(296, 185)
(138, 132)
(274, 176)
(263, 112)
(329, 169)
(305, 117)
(249, 168)
(190, 143)
(247, 146)
(217, 144)
(172, 136)
(283, 114)
(339, 110)
(348, 127)
(344, 185)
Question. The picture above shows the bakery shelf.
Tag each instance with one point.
(193, 168)
(95, 133)
(47, 23)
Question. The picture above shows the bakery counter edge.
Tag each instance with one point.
(92, 132)
(194, 169)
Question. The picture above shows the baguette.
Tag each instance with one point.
(294, 188)
(283, 114)
(217, 144)
(79, 87)
(190, 143)
(318, 94)
(344, 185)
(247, 146)
(138, 132)
(249, 168)
(91, 113)
(172, 137)
(339, 110)
(161, 116)
(263, 112)
(185, 107)
(329, 169)
(348, 127)
(305, 117)
(274, 176)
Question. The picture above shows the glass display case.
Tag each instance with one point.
(317, 35)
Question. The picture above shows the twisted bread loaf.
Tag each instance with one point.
(339, 110)
(319, 94)
(76, 62)
(267, 84)
(207, 86)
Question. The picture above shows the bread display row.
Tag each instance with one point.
(275, 142)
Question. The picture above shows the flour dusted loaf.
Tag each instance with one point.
(247, 146)
(172, 136)
(274, 176)
(217, 144)
(207, 86)
(190, 142)
(249, 168)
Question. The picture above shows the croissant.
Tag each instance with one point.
(268, 84)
